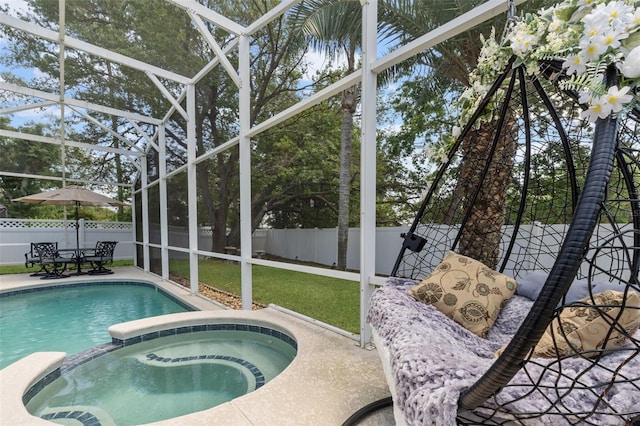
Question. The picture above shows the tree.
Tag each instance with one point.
(29, 158)
(130, 27)
(276, 69)
(447, 66)
(334, 27)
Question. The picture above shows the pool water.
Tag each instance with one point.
(164, 378)
(73, 319)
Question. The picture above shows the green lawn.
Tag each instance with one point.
(21, 269)
(330, 300)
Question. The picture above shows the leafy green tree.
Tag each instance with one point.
(20, 156)
(130, 27)
(446, 68)
(275, 68)
(87, 78)
(334, 27)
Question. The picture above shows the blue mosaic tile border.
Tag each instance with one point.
(97, 284)
(208, 327)
(249, 366)
(84, 417)
(78, 359)
(39, 385)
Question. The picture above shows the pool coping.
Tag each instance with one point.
(330, 378)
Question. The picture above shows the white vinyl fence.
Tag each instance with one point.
(320, 245)
(16, 236)
(307, 245)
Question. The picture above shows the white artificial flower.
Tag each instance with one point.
(575, 64)
(521, 39)
(631, 66)
(592, 49)
(610, 38)
(429, 152)
(598, 108)
(480, 89)
(635, 18)
(618, 12)
(616, 98)
(467, 94)
(521, 43)
(596, 21)
(585, 98)
(555, 25)
(587, 34)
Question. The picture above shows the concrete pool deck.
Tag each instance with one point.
(330, 378)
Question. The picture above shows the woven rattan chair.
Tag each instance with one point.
(572, 214)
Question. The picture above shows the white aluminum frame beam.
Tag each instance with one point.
(168, 95)
(192, 193)
(214, 62)
(55, 141)
(462, 23)
(209, 15)
(368, 155)
(61, 179)
(217, 50)
(26, 107)
(77, 103)
(326, 93)
(164, 216)
(270, 16)
(244, 108)
(90, 49)
(146, 264)
(112, 132)
(150, 139)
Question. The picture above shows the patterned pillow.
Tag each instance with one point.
(584, 329)
(466, 291)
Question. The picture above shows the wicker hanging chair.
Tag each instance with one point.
(534, 193)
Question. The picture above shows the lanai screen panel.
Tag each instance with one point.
(218, 203)
(177, 211)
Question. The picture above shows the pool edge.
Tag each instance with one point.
(329, 379)
(17, 378)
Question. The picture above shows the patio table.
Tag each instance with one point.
(75, 256)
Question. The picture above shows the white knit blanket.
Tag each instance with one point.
(433, 359)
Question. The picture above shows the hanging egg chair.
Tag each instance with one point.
(515, 296)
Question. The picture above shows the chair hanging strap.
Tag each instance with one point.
(511, 17)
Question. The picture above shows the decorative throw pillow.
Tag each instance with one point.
(584, 329)
(467, 291)
(532, 283)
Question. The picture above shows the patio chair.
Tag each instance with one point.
(458, 346)
(52, 264)
(99, 257)
(32, 258)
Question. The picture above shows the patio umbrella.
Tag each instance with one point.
(72, 196)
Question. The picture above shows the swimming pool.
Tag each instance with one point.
(74, 317)
(199, 368)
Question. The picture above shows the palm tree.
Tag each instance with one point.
(334, 27)
(448, 65)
